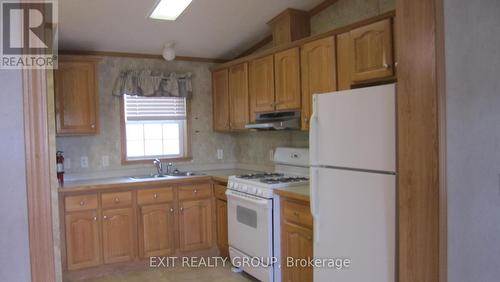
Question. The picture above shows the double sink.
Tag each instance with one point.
(174, 174)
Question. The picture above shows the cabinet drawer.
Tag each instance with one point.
(196, 191)
(155, 196)
(220, 192)
(117, 199)
(81, 202)
(297, 213)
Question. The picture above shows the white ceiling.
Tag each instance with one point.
(207, 28)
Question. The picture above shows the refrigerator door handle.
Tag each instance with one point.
(313, 194)
(313, 133)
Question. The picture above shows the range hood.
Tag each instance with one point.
(276, 121)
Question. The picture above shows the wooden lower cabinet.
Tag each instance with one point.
(156, 230)
(118, 235)
(82, 240)
(222, 238)
(195, 224)
(296, 240)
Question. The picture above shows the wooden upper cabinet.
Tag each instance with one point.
(83, 245)
(76, 96)
(195, 224)
(318, 73)
(290, 25)
(372, 56)
(221, 100)
(238, 96)
(118, 233)
(287, 79)
(261, 85)
(156, 230)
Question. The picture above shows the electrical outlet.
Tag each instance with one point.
(220, 154)
(271, 155)
(67, 163)
(105, 161)
(84, 162)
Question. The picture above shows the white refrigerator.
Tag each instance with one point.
(353, 183)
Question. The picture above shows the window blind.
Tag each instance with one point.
(139, 108)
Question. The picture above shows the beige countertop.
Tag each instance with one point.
(300, 193)
(124, 182)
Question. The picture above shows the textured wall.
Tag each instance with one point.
(14, 242)
(244, 148)
(473, 139)
(107, 142)
(345, 12)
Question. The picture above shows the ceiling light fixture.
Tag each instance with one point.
(169, 10)
(169, 51)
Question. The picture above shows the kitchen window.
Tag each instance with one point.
(154, 127)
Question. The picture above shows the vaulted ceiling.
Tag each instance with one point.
(207, 28)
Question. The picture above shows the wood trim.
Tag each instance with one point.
(38, 182)
(256, 46)
(443, 190)
(123, 143)
(298, 43)
(321, 6)
(420, 98)
(138, 55)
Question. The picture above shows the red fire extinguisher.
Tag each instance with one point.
(60, 167)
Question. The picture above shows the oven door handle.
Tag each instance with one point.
(239, 197)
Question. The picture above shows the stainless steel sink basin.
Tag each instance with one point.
(185, 173)
(159, 176)
(148, 176)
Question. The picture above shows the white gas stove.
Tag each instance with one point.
(253, 207)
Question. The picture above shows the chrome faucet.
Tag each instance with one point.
(159, 166)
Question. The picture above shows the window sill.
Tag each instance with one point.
(150, 161)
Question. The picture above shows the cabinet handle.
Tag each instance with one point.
(82, 203)
(95, 218)
(171, 209)
(195, 191)
(92, 126)
(182, 209)
(105, 217)
(306, 120)
(396, 64)
(117, 200)
(155, 196)
(387, 66)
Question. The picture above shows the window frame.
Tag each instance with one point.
(147, 160)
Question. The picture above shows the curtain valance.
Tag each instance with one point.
(152, 83)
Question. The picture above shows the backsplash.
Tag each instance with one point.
(250, 149)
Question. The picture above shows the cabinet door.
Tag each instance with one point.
(156, 230)
(238, 96)
(82, 240)
(76, 97)
(372, 51)
(195, 223)
(222, 240)
(344, 61)
(296, 243)
(118, 233)
(318, 73)
(287, 72)
(221, 100)
(261, 85)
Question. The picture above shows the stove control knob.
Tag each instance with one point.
(244, 188)
(230, 185)
(235, 186)
(252, 190)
